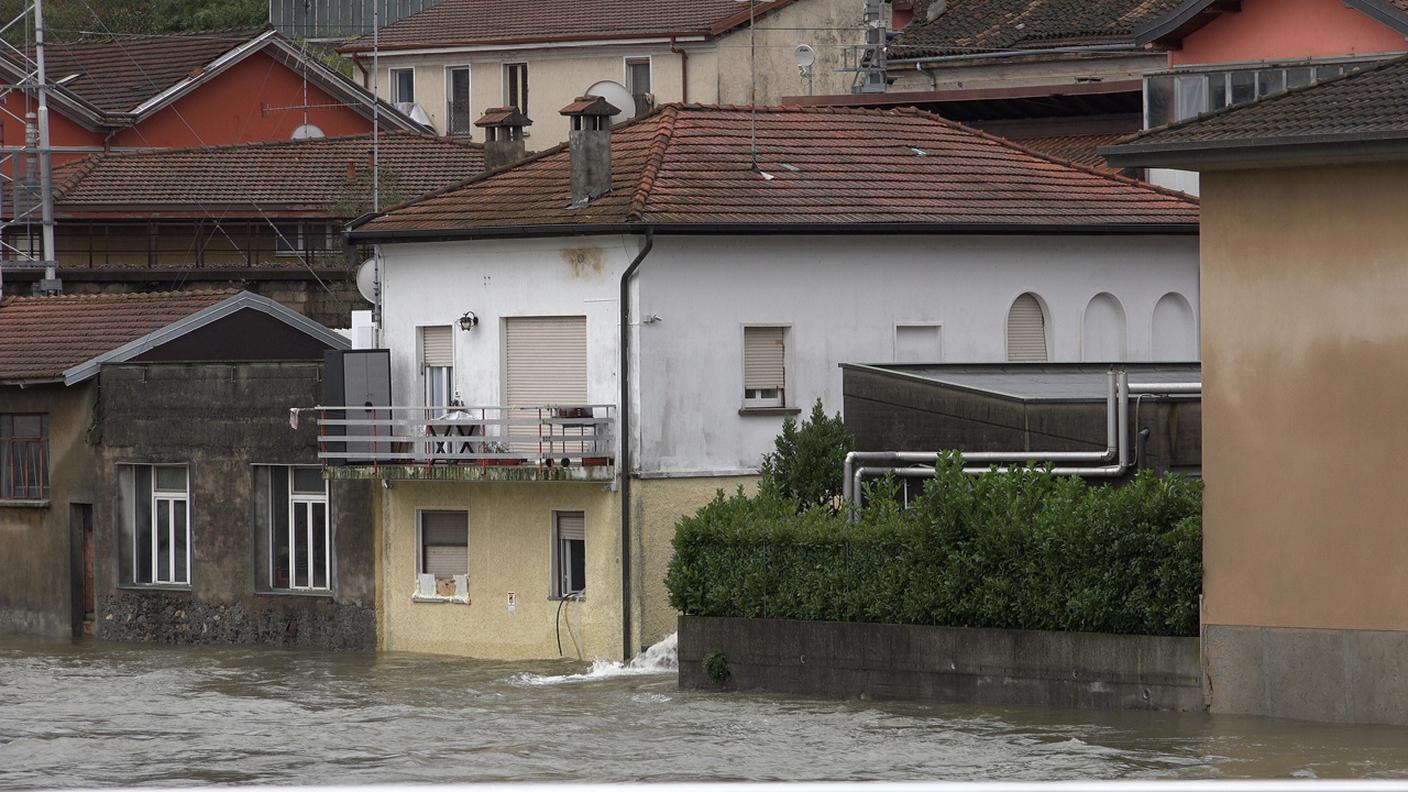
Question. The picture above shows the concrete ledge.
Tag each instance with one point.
(952, 664)
(471, 472)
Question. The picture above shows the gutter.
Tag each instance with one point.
(624, 463)
(1230, 153)
(770, 229)
(1022, 53)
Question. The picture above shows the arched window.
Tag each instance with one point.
(1026, 330)
(1103, 332)
(1175, 329)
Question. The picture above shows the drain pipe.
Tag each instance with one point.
(850, 493)
(624, 460)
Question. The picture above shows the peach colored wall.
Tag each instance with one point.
(1305, 353)
(1280, 29)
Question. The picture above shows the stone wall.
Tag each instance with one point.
(307, 622)
(950, 664)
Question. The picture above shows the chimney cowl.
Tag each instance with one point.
(503, 136)
(589, 142)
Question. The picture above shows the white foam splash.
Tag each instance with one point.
(662, 658)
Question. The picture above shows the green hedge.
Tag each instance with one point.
(1016, 550)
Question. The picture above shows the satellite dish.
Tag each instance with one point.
(308, 131)
(618, 96)
(366, 280)
(419, 115)
(805, 55)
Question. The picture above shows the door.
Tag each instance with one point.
(82, 590)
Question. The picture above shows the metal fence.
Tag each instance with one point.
(339, 19)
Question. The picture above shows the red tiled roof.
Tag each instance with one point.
(310, 174)
(974, 26)
(42, 337)
(691, 165)
(1080, 149)
(466, 22)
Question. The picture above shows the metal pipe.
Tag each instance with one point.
(46, 159)
(1166, 387)
(624, 468)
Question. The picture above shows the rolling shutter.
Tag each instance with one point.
(764, 358)
(444, 537)
(1026, 331)
(571, 525)
(437, 346)
(546, 360)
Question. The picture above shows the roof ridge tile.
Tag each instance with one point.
(664, 133)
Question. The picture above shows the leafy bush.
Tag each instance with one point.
(806, 461)
(1016, 549)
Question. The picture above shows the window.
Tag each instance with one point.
(403, 86)
(1026, 330)
(764, 366)
(459, 121)
(569, 554)
(1176, 96)
(638, 83)
(918, 343)
(437, 360)
(24, 456)
(154, 510)
(516, 86)
(297, 239)
(292, 518)
(442, 555)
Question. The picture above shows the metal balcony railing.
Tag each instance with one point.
(567, 435)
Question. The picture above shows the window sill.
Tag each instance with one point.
(24, 504)
(322, 594)
(567, 599)
(770, 411)
(176, 587)
(440, 600)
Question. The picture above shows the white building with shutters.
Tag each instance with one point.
(728, 330)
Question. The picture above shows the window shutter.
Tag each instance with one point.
(445, 539)
(437, 346)
(764, 358)
(1026, 331)
(572, 525)
(547, 360)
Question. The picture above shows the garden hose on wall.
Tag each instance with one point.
(572, 596)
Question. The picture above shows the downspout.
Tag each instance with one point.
(933, 78)
(684, 70)
(624, 463)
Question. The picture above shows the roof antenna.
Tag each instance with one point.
(753, 85)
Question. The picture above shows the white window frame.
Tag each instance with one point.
(780, 399)
(305, 501)
(392, 76)
(895, 338)
(461, 591)
(450, 100)
(558, 586)
(626, 64)
(158, 501)
(523, 88)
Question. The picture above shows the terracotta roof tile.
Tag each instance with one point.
(1080, 149)
(311, 173)
(465, 22)
(974, 26)
(691, 165)
(1372, 101)
(42, 337)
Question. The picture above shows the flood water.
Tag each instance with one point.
(99, 714)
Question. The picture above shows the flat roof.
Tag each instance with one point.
(1070, 382)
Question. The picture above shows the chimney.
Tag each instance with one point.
(503, 136)
(589, 141)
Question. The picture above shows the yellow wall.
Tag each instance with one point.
(509, 550)
(1305, 359)
(656, 506)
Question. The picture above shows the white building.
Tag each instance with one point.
(857, 236)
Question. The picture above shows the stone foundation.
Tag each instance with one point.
(271, 620)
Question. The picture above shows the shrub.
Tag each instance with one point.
(1018, 549)
(806, 461)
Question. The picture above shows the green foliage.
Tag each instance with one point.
(70, 19)
(806, 461)
(716, 666)
(1017, 549)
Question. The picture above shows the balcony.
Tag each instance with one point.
(546, 443)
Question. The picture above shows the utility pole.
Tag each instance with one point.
(51, 283)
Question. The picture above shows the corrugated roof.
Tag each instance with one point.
(1369, 102)
(975, 26)
(691, 165)
(311, 173)
(42, 337)
(471, 22)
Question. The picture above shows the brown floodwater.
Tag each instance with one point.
(92, 714)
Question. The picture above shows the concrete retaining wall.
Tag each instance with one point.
(953, 664)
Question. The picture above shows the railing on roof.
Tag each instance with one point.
(339, 19)
(547, 436)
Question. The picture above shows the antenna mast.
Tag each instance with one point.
(51, 283)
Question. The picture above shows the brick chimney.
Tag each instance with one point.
(503, 136)
(589, 140)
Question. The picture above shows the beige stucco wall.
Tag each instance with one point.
(1018, 72)
(657, 505)
(1305, 359)
(510, 526)
(826, 25)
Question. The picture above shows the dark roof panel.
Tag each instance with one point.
(977, 26)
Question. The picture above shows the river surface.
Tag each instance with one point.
(92, 714)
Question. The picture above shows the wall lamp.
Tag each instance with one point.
(469, 321)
